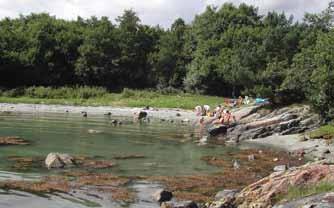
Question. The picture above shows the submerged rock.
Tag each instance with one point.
(12, 141)
(93, 131)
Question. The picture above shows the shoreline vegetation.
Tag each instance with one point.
(97, 96)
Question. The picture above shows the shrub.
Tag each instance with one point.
(13, 93)
(127, 93)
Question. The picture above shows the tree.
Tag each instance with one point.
(169, 62)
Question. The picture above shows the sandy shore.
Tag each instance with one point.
(100, 110)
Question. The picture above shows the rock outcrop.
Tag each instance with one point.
(263, 193)
(256, 122)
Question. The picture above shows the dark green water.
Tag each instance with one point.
(169, 149)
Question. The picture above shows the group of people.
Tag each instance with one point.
(220, 115)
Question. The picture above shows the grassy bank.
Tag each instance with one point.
(100, 97)
(324, 132)
(300, 192)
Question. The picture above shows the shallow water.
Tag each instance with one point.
(169, 150)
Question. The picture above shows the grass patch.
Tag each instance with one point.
(86, 96)
(304, 191)
(324, 132)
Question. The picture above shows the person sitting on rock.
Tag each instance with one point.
(206, 111)
(219, 109)
(225, 118)
(228, 117)
(240, 101)
(198, 110)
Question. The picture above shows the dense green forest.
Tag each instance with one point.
(225, 51)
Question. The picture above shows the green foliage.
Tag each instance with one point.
(96, 96)
(297, 192)
(326, 131)
(56, 93)
(226, 51)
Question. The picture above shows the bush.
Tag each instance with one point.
(260, 91)
(127, 93)
(169, 91)
(13, 93)
(57, 93)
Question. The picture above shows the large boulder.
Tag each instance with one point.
(53, 161)
(59, 160)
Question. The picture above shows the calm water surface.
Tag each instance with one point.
(169, 149)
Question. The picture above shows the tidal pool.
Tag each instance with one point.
(168, 154)
(168, 149)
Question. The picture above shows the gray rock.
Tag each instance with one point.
(53, 161)
(58, 160)
(227, 193)
(236, 164)
(280, 168)
(224, 199)
(251, 157)
(186, 120)
(185, 204)
(93, 131)
(162, 195)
